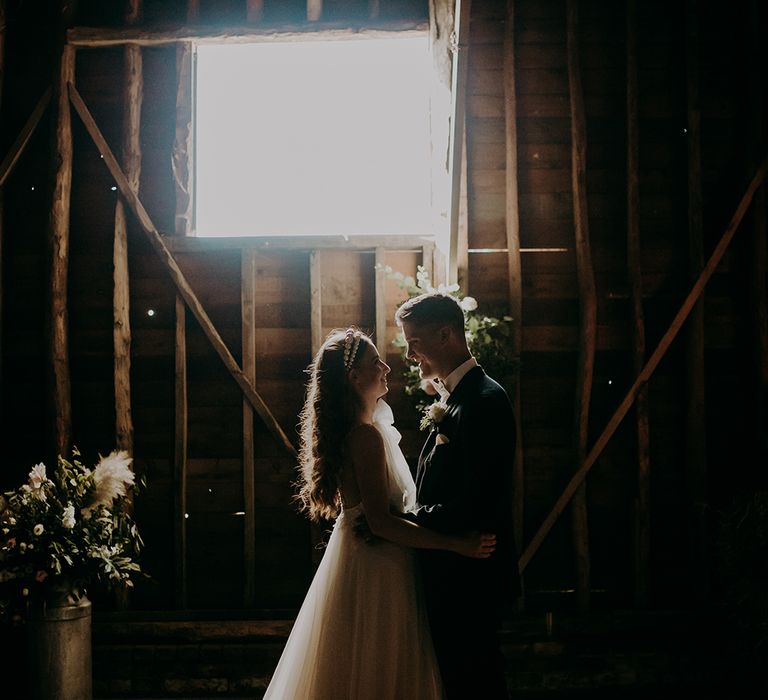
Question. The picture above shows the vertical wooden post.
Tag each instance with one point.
(132, 100)
(634, 272)
(183, 150)
(182, 176)
(587, 304)
(58, 239)
(514, 267)
(458, 113)
(180, 457)
(380, 301)
(248, 313)
(696, 456)
(314, 10)
(255, 11)
(462, 243)
(373, 9)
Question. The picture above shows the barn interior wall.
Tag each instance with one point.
(550, 315)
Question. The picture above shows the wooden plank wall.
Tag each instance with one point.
(550, 315)
(283, 292)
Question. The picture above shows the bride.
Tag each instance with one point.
(361, 633)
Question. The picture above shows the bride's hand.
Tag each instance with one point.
(477, 545)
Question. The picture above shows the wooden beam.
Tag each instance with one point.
(180, 457)
(175, 272)
(316, 301)
(314, 10)
(58, 243)
(193, 244)
(254, 11)
(94, 37)
(458, 111)
(132, 100)
(648, 369)
(587, 303)
(133, 12)
(514, 265)
(248, 315)
(14, 153)
(634, 272)
(183, 147)
(380, 300)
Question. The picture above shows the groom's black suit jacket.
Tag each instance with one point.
(465, 484)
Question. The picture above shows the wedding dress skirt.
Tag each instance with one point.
(362, 633)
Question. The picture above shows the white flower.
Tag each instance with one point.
(37, 479)
(23, 546)
(468, 303)
(437, 411)
(111, 476)
(433, 415)
(37, 530)
(68, 517)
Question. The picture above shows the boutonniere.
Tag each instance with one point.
(433, 415)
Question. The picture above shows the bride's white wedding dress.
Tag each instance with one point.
(362, 633)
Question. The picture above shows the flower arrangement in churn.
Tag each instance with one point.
(71, 526)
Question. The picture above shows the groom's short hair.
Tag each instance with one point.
(432, 309)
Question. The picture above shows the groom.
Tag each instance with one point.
(464, 479)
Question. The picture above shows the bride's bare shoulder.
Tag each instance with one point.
(364, 437)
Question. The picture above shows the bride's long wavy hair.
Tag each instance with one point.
(329, 413)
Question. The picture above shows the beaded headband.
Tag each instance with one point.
(351, 345)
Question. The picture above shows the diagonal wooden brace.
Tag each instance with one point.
(13, 155)
(183, 287)
(648, 369)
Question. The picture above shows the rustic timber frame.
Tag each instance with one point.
(165, 247)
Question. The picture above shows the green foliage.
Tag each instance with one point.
(489, 337)
(72, 526)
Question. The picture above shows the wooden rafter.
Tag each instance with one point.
(177, 276)
(648, 368)
(94, 37)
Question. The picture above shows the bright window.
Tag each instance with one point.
(315, 137)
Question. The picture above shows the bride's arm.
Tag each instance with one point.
(366, 448)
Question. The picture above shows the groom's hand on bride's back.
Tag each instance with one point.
(363, 530)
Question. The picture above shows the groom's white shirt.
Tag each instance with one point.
(446, 386)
